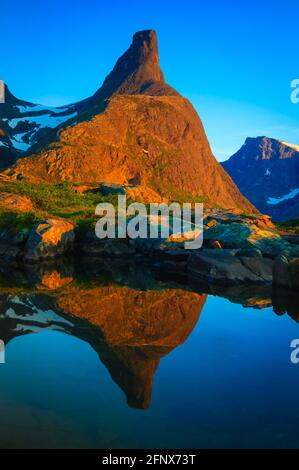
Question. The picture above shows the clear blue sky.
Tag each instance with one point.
(234, 60)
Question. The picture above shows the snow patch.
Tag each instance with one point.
(18, 143)
(293, 193)
(39, 122)
(292, 146)
(42, 317)
(40, 108)
(21, 328)
(45, 120)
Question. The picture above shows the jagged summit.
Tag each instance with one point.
(138, 70)
(261, 147)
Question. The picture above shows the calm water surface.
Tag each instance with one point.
(226, 382)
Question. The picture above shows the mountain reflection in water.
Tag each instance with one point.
(131, 329)
(132, 316)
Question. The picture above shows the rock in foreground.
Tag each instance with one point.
(50, 238)
(224, 267)
(16, 202)
(286, 273)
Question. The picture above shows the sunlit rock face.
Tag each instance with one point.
(135, 130)
(50, 238)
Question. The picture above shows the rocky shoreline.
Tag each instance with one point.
(238, 249)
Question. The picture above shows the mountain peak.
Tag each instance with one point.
(266, 171)
(271, 146)
(148, 37)
(153, 140)
(258, 140)
(138, 70)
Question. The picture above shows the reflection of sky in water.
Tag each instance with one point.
(230, 384)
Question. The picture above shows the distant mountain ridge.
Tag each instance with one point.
(24, 124)
(266, 170)
(135, 129)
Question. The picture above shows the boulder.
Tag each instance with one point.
(294, 274)
(50, 238)
(250, 253)
(86, 188)
(17, 202)
(219, 267)
(281, 271)
(138, 193)
(260, 267)
(93, 246)
(144, 194)
(246, 233)
(12, 244)
(110, 189)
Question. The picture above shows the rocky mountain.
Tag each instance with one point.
(267, 172)
(135, 130)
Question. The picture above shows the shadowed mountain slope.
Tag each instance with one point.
(267, 172)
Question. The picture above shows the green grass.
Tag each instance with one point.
(177, 194)
(52, 199)
(17, 222)
(291, 226)
(62, 200)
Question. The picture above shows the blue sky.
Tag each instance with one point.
(234, 60)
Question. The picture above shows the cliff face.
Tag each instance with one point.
(267, 172)
(137, 71)
(135, 129)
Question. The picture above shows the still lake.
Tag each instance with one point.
(223, 381)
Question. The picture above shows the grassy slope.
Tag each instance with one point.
(291, 226)
(62, 200)
(51, 199)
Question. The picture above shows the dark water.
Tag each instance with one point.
(102, 364)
